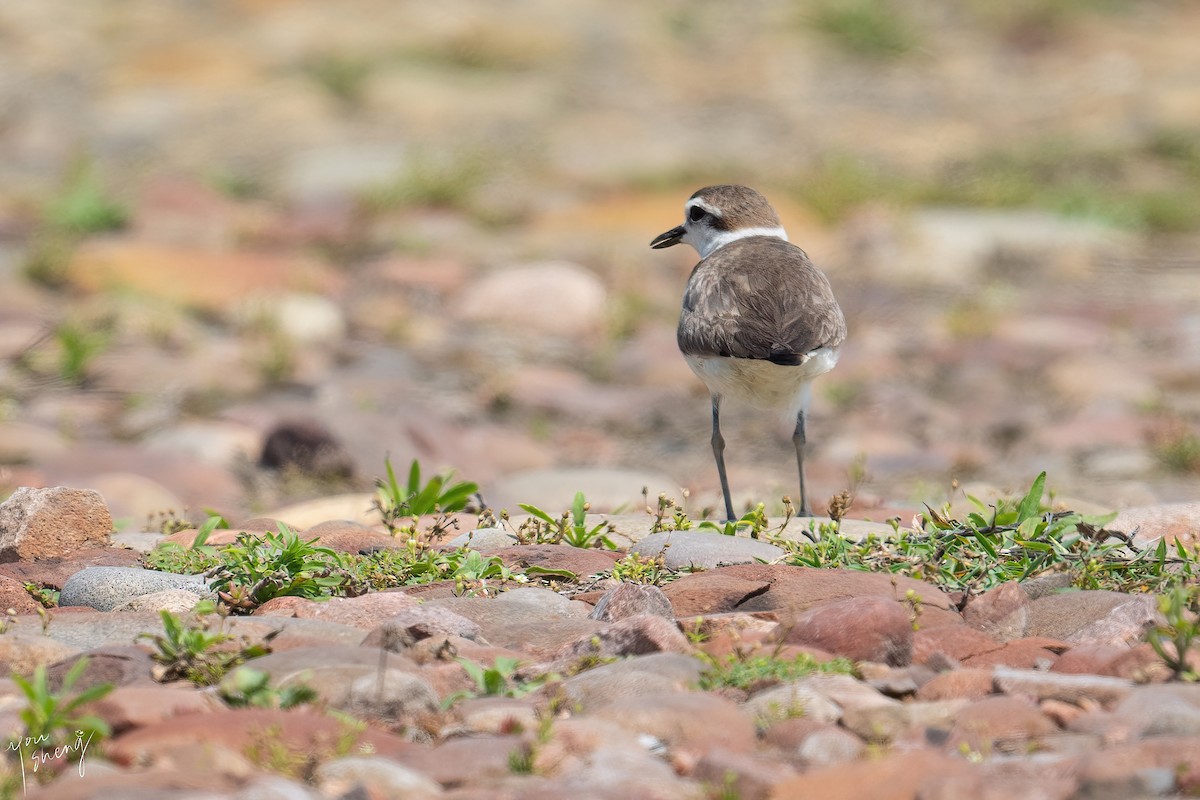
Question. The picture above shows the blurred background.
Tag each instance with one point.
(249, 248)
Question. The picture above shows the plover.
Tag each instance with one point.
(759, 321)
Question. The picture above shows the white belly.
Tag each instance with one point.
(761, 384)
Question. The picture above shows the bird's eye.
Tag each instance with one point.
(696, 213)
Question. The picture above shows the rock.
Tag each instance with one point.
(13, 595)
(1002, 612)
(132, 496)
(584, 562)
(956, 642)
(128, 707)
(274, 787)
(999, 724)
(308, 448)
(592, 757)
(1157, 767)
(692, 721)
(632, 599)
(886, 723)
(485, 540)
(632, 636)
(353, 507)
(216, 442)
(373, 777)
(120, 665)
(970, 684)
(301, 731)
(416, 624)
(53, 572)
(486, 760)
(1095, 617)
(391, 695)
(104, 588)
(704, 549)
(1027, 653)
(791, 700)
(751, 775)
(1068, 688)
(713, 592)
(1165, 710)
(43, 523)
(363, 612)
(558, 298)
(899, 775)
(536, 621)
(307, 319)
(331, 672)
(640, 676)
(859, 628)
(496, 715)
(23, 649)
(1172, 521)
(177, 601)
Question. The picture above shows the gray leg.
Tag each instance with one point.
(718, 447)
(798, 439)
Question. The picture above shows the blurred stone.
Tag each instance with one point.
(310, 320)
(858, 628)
(632, 599)
(556, 299)
(130, 496)
(1172, 521)
(307, 447)
(553, 490)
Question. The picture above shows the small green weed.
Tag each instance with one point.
(343, 77)
(1176, 638)
(394, 501)
(872, 28)
(1013, 540)
(569, 528)
(751, 672)
(194, 559)
(52, 718)
(45, 595)
(498, 680)
(248, 687)
(196, 652)
(649, 570)
(82, 205)
(668, 513)
(254, 570)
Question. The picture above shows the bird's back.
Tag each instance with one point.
(760, 298)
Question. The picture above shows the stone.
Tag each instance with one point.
(791, 700)
(1056, 686)
(584, 562)
(899, 775)
(999, 724)
(13, 595)
(331, 672)
(495, 714)
(956, 642)
(713, 592)
(859, 628)
(412, 625)
(1028, 653)
(1091, 616)
(704, 549)
(632, 636)
(558, 298)
(364, 612)
(970, 684)
(536, 621)
(306, 447)
(177, 601)
(53, 572)
(690, 721)
(392, 695)
(104, 588)
(374, 776)
(24, 649)
(640, 676)
(886, 723)
(1164, 710)
(1170, 521)
(485, 540)
(1002, 612)
(128, 707)
(43, 523)
(118, 664)
(130, 496)
(632, 599)
(751, 775)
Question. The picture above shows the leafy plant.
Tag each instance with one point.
(753, 671)
(498, 680)
(196, 652)
(417, 563)
(394, 501)
(52, 717)
(873, 28)
(45, 595)
(1176, 638)
(668, 514)
(569, 528)
(248, 687)
(254, 570)
(1012, 540)
(83, 206)
(196, 558)
(650, 570)
(753, 521)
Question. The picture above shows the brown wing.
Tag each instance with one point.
(759, 298)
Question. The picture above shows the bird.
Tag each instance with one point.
(759, 321)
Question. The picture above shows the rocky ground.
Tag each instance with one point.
(250, 249)
(614, 689)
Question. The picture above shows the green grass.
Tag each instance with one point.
(876, 29)
(752, 672)
(83, 206)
